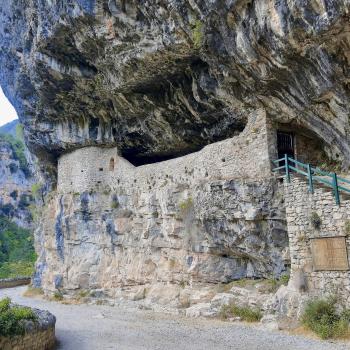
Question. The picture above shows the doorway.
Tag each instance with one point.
(285, 144)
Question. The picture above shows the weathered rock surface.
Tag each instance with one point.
(158, 79)
(174, 235)
(163, 78)
(206, 218)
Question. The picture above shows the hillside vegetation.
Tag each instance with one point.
(17, 147)
(17, 255)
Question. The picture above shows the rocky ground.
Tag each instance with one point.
(103, 327)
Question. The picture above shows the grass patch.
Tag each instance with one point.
(58, 296)
(12, 318)
(284, 279)
(36, 189)
(83, 294)
(33, 292)
(245, 313)
(323, 318)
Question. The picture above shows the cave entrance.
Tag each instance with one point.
(285, 144)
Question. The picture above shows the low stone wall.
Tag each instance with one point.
(301, 206)
(14, 282)
(38, 335)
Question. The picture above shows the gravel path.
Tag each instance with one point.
(84, 327)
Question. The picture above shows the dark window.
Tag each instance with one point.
(111, 164)
(285, 144)
(101, 169)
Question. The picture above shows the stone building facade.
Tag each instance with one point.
(313, 216)
(245, 156)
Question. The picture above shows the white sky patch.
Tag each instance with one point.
(7, 112)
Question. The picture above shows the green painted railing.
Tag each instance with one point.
(332, 180)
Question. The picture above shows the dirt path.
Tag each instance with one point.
(84, 327)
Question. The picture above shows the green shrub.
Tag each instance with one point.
(36, 189)
(83, 294)
(246, 313)
(12, 318)
(321, 316)
(197, 34)
(284, 279)
(114, 204)
(58, 295)
(185, 207)
(5, 304)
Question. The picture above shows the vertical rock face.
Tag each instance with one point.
(206, 218)
(165, 78)
(158, 80)
(213, 232)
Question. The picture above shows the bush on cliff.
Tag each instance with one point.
(13, 318)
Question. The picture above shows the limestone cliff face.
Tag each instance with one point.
(128, 239)
(159, 78)
(209, 217)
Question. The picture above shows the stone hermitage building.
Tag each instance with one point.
(213, 216)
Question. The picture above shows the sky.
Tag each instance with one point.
(7, 112)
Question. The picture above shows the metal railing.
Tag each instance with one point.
(313, 175)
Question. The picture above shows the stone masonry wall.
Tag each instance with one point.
(300, 206)
(241, 157)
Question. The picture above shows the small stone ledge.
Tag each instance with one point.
(14, 282)
(39, 335)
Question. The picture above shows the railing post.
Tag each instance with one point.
(311, 183)
(286, 164)
(336, 189)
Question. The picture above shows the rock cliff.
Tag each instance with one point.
(158, 80)
(164, 78)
